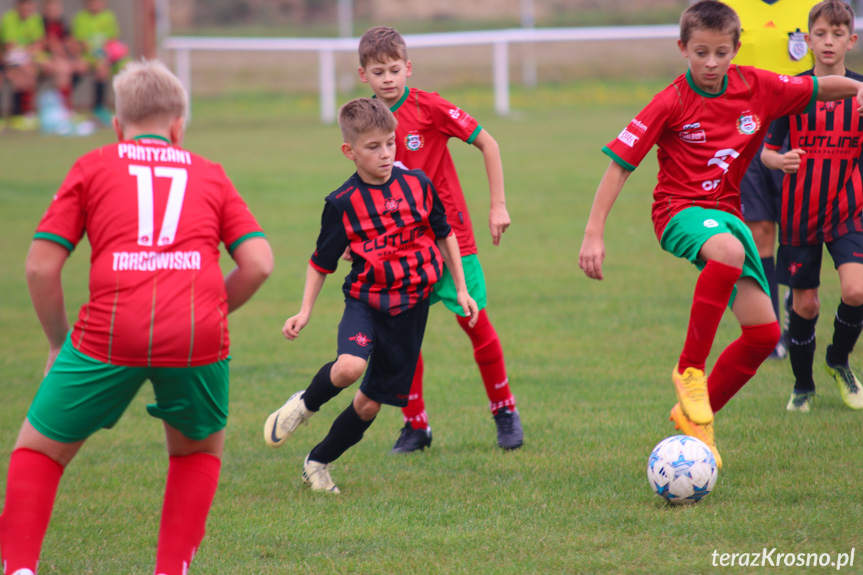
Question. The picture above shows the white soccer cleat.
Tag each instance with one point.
(283, 422)
(317, 475)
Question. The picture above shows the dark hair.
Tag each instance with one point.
(836, 12)
(380, 43)
(363, 115)
(709, 15)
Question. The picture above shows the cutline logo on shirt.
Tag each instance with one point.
(748, 123)
(628, 138)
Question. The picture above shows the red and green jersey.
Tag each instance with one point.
(823, 200)
(706, 141)
(426, 123)
(391, 229)
(155, 216)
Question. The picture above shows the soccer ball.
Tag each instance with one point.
(681, 469)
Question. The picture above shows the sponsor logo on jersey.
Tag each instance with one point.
(414, 142)
(361, 339)
(710, 223)
(828, 106)
(694, 137)
(342, 193)
(693, 126)
(748, 123)
(639, 124)
(797, 47)
(628, 138)
(391, 205)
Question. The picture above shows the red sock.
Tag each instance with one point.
(739, 362)
(712, 292)
(489, 357)
(31, 486)
(415, 411)
(189, 492)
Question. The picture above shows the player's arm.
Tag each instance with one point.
(832, 88)
(789, 162)
(254, 259)
(498, 217)
(314, 283)
(452, 258)
(44, 267)
(592, 252)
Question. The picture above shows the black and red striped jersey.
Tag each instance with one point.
(391, 229)
(824, 199)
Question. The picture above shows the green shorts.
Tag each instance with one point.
(444, 290)
(688, 230)
(81, 395)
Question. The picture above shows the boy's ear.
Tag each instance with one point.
(178, 131)
(409, 68)
(363, 76)
(852, 41)
(737, 49)
(682, 48)
(348, 151)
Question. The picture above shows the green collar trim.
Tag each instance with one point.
(701, 92)
(152, 137)
(398, 104)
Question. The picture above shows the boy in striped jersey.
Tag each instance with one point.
(396, 227)
(822, 203)
(155, 216)
(708, 126)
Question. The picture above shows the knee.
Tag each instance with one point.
(806, 304)
(730, 253)
(763, 337)
(367, 409)
(852, 295)
(347, 370)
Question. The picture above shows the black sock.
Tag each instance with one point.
(98, 94)
(770, 272)
(321, 390)
(17, 103)
(846, 330)
(347, 430)
(801, 350)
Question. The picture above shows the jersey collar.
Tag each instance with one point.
(401, 101)
(152, 137)
(701, 92)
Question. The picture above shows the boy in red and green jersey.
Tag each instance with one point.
(707, 125)
(155, 216)
(426, 122)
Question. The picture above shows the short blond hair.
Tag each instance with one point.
(146, 91)
(709, 15)
(364, 115)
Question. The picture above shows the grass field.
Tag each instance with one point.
(589, 363)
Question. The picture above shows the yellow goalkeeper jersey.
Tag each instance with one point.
(772, 36)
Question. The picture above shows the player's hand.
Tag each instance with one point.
(468, 305)
(294, 324)
(498, 222)
(591, 256)
(348, 256)
(791, 160)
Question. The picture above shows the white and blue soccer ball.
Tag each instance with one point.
(682, 469)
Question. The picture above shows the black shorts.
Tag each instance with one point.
(800, 266)
(761, 191)
(390, 343)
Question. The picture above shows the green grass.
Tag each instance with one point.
(588, 361)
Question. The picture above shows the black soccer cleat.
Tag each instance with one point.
(510, 435)
(411, 439)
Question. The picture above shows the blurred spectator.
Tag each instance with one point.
(96, 28)
(22, 34)
(63, 52)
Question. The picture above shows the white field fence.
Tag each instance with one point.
(500, 42)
